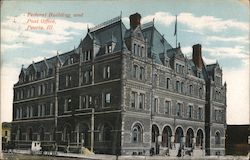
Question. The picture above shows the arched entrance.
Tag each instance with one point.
(30, 134)
(189, 138)
(178, 135)
(84, 135)
(166, 137)
(199, 138)
(155, 134)
(41, 134)
(67, 134)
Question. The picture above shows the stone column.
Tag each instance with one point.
(194, 142)
(172, 142)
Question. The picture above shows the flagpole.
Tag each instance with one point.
(176, 31)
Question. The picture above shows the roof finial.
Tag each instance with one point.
(121, 14)
(22, 66)
(57, 53)
(153, 21)
(179, 45)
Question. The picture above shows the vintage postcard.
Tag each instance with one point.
(124, 79)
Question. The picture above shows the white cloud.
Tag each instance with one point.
(240, 39)
(237, 95)
(228, 52)
(5, 47)
(210, 23)
(197, 23)
(161, 17)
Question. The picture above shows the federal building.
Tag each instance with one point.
(122, 91)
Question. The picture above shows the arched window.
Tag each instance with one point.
(199, 138)
(189, 138)
(166, 135)
(217, 138)
(137, 134)
(106, 132)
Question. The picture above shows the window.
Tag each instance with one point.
(6, 133)
(135, 68)
(177, 86)
(24, 112)
(109, 48)
(106, 132)
(71, 60)
(35, 111)
(106, 72)
(87, 76)
(178, 109)
(141, 100)
(217, 138)
(142, 52)
(32, 91)
(190, 89)
(155, 107)
(138, 49)
(168, 83)
(133, 98)
(135, 49)
(68, 80)
(90, 101)
(87, 55)
(200, 113)
(142, 73)
(137, 134)
(200, 92)
(107, 99)
(67, 104)
(190, 111)
(82, 102)
(182, 87)
(167, 107)
(47, 109)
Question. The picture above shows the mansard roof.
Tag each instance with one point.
(157, 44)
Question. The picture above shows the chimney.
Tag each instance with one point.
(197, 57)
(135, 20)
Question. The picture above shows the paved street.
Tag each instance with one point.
(18, 156)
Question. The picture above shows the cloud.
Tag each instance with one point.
(5, 47)
(160, 17)
(227, 52)
(210, 23)
(239, 39)
(16, 30)
(237, 95)
(197, 23)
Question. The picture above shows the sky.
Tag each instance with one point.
(32, 30)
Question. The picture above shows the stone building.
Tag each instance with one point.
(122, 91)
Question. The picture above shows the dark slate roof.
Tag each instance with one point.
(157, 43)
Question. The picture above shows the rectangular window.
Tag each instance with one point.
(83, 101)
(107, 99)
(155, 107)
(190, 111)
(168, 83)
(35, 111)
(135, 49)
(141, 53)
(178, 109)
(67, 104)
(167, 107)
(133, 99)
(68, 80)
(109, 48)
(141, 100)
(200, 113)
(177, 86)
(190, 89)
(135, 71)
(142, 73)
(47, 109)
(106, 72)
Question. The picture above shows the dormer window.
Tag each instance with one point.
(71, 60)
(109, 48)
(87, 55)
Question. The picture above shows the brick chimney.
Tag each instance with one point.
(197, 56)
(135, 20)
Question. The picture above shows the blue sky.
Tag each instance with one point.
(222, 27)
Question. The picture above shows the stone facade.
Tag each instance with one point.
(122, 91)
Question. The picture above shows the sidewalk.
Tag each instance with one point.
(112, 157)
